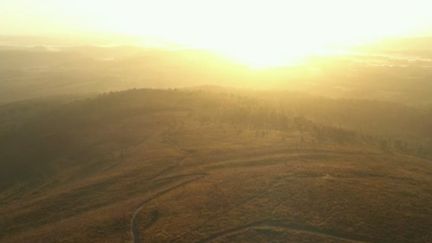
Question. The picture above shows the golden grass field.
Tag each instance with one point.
(188, 166)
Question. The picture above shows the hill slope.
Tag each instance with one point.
(200, 166)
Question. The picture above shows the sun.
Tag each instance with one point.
(259, 33)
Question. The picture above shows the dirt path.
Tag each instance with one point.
(134, 230)
(278, 224)
(180, 180)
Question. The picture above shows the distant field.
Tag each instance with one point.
(397, 73)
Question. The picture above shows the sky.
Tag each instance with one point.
(267, 30)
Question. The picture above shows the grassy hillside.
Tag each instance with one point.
(212, 165)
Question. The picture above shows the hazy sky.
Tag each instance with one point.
(229, 26)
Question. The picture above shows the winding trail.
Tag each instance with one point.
(279, 224)
(179, 180)
(134, 230)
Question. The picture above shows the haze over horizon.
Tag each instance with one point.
(257, 33)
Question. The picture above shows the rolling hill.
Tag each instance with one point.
(213, 165)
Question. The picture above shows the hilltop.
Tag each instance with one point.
(212, 164)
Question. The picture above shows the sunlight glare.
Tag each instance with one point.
(258, 33)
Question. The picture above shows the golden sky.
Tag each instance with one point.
(261, 33)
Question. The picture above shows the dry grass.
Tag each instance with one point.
(201, 179)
